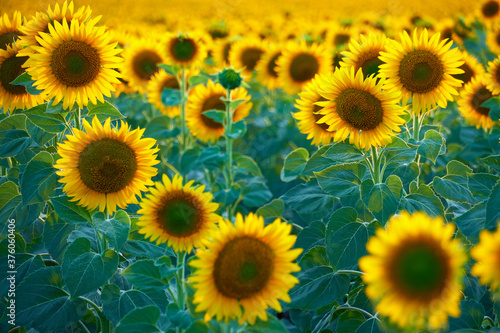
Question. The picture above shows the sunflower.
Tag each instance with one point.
(9, 30)
(414, 270)
(160, 81)
(104, 167)
(473, 95)
(493, 39)
(221, 50)
(471, 68)
(359, 109)
(422, 70)
(185, 50)
(208, 97)
(364, 53)
(40, 23)
(140, 63)
(493, 76)
(489, 12)
(487, 255)
(74, 64)
(13, 96)
(300, 63)
(338, 36)
(244, 54)
(245, 269)
(308, 115)
(181, 215)
(266, 67)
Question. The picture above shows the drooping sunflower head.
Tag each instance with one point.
(10, 30)
(14, 96)
(207, 97)
(106, 167)
(358, 108)
(244, 54)
(489, 11)
(471, 68)
(185, 50)
(245, 269)
(299, 64)
(473, 95)
(422, 70)
(308, 115)
(414, 271)
(75, 63)
(493, 76)
(364, 53)
(487, 257)
(141, 62)
(267, 74)
(181, 215)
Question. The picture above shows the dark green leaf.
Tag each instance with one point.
(449, 187)
(246, 163)
(55, 236)
(237, 130)
(345, 245)
(69, 210)
(457, 168)
(103, 111)
(294, 164)
(144, 274)
(430, 146)
(315, 257)
(317, 162)
(492, 161)
(216, 115)
(171, 97)
(116, 229)
(341, 180)
(399, 151)
(26, 81)
(492, 208)
(13, 142)
(480, 184)
(379, 199)
(169, 69)
(372, 325)
(158, 128)
(142, 320)
(344, 153)
(472, 315)
(423, 199)
(51, 123)
(273, 209)
(255, 193)
(494, 105)
(272, 325)
(39, 179)
(312, 235)
(472, 222)
(395, 185)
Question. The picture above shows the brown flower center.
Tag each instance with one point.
(212, 103)
(9, 38)
(250, 57)
(318, 116)
(271, 65)
(11, 68)
(481, 96)
(490, 9)
(420, 71)
(144, 64)
(369, 63)
(467, 75)
(180, 215)
(341, 39)
(359, 108)
(304, 67)
(75, 63)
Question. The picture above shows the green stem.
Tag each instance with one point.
(366, 313)
(229, 141)
(181, 256)
(183, 109)
(349, 271)
(83, 326)
(104, 321)
(376, 165)
(78, 122)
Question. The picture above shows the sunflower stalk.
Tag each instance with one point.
(105, 324)
(182, 85)
(376, 165)
(229, 141)
(181, 258)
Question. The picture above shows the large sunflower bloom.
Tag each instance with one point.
(364, 53)
(74, 63)
(414, 271)
(358, 108)
(487, 255)
(309, 115)
(181, 215)
(245, 269)
(422, 70)
(473, 95)
(208, 97)
(10, 30)
(104, 167)
(14, 96)
(300, 63)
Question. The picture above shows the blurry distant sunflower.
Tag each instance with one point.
(471, 68)
(245, 53)
(9, 30)
(493, 76)
(339, 36)
(300, 63)
(221, 51)
(185, 50)
(245, 269)
(487, 255)
(218, 31)
(414, 270)
(493, 39)
(13, 96)
(104, 167)
(359, 109)
(309, 114)
(266, 67)
(181, 215)
(489, 11)
(208, 97)
(364, 53)
(40, 23)
(140, 63)
(473, 95)
(74, 64)
(422, 70)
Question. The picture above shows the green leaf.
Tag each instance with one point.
(423, 199)
(26, 81)
(38, 135)
(372, 325)
(51, 123)
(457, 168)
(395, 185)
(116, 229)
(216, 115)
(144, 274)
(13, 136)
(172, 70)
(449, 187)
(178, 318)
(399, 151)
(312, 235)
(171, 97)
(272, 325)
(255, 192)
(39, 179)
(273, 209)
(43, 304)
(103, 111)
(55, 236)
(349, 321)
(315, 257)
(237, 130)
(140, 320)
(69, 210)
(246, 163)
(345, 244)
(10, 199)
(58, 108)
(317, 162)
(24, 269)
(145, 249)
(472, 222)
(492, 211)
(84, 271)
(158, 128)
(318, 287)
(198, 79)
(379, 199)
(344, 153)
(480, 184)
(494, 105)
(471, 316)
(341, 180)
(492, 161)
(294, 164)
(430, 146)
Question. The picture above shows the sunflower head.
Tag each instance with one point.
(487, 257)
(471, 68)
(185, 50)
(104, 167)
(229, 78)
(364, 53)
(421, 69)
(473, 95)
(181, 215)
(245, 269)
(9, 30)
(266, 68)
(414, 271)
(244, 54)
(493, 76)
(489, 11)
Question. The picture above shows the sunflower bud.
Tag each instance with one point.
(229, 79)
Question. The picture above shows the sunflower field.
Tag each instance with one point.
(249, 167)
